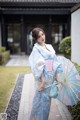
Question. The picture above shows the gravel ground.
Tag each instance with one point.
(13, 106)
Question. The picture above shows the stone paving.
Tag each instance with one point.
(18, 60)
(58, 111)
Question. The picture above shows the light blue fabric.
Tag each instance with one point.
(36, 62)
(42, 101)
(41, 105)
(54, 90)
(57, 65)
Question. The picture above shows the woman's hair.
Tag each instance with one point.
(35, 33)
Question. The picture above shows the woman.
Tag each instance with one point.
(44, 65)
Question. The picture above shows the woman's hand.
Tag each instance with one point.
(56, 78)
(42, 87)
(42, 83)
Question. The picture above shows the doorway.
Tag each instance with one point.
(13, 38)
(57, 35)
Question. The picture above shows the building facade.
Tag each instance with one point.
(19, 17)
(75, 34)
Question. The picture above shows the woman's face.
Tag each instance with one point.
(41, 38)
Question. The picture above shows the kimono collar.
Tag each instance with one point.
(49, 47)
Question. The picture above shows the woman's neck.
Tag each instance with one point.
(42, 44)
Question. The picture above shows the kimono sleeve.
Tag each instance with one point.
(37, 63)
(57, 65)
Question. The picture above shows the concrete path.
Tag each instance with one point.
(18, 60)
(57, 112)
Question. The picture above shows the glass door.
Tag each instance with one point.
(13, 38)
(56, 36)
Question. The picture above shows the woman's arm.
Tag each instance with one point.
(42, 82)
(56, 77)
(42, 78)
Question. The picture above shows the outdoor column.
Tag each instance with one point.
(69, 26)
(49, 31)
(75, 36)
(22, 41)
(3, 34)
(63, 30)
(0, 36)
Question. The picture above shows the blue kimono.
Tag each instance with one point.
(43, 61)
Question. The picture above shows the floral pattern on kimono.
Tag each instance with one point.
(38, 59)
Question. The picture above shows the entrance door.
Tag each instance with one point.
(56, 36)
(13, 38)
(30, 41)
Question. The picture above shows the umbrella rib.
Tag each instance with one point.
(75, 94)
(62, 95)
(77, 89)
(75, 84)
(73, 74)
(76, 80)
(67, 70)
(71, 71)
(72, 96)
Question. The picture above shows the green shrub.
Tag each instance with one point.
(2, 49)
(0, 57)
(4, 55)
(65, 46)
(75, 111)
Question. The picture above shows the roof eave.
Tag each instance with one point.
(76, 7)
(36, 4)
(38, 11)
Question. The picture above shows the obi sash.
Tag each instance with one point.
(49, 64)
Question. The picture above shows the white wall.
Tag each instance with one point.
(75, 36)
(0, 34)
